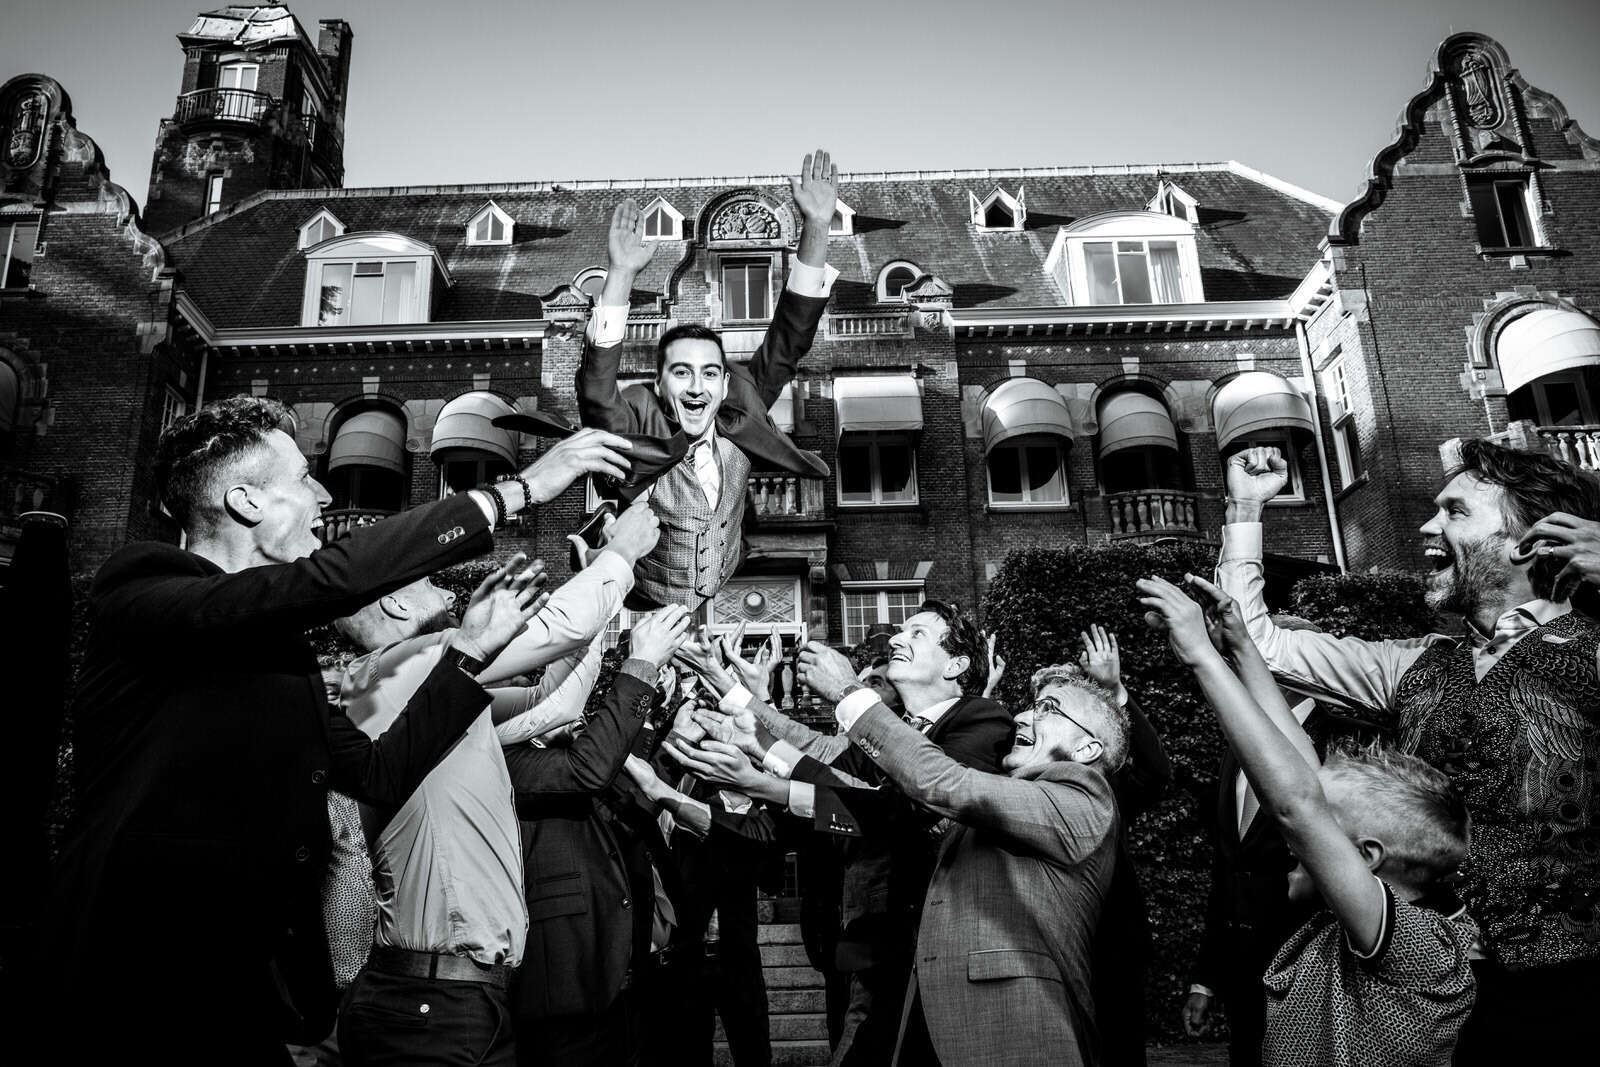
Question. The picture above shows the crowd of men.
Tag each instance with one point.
(475, 845)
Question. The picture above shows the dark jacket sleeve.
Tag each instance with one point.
(982, 737)
(788, 339)
(754, 827)
(596, 756)
(384, 771)
(1144, 778)
(600, 401)
(1209, 965)
(146, 605)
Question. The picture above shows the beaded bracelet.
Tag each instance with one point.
(499, 504)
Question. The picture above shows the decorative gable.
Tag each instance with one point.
(490, 226)
(843, 223)
(1171, 200)
(323, 226)
(999, 210)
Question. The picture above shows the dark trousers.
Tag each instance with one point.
(392, 1020)
(916, 1044)
(872, 1023)
(1542, 1015)
(609, 1038)
(738, 985)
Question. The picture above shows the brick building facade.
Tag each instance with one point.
(1011, 357)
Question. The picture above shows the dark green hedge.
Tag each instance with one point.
(1040, 600)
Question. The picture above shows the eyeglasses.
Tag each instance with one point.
(1050, 706)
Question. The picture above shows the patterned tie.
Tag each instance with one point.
(916, 722)
(349, 902)
(706, 472)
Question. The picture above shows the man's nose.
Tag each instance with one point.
(324, 498)
(1433, 527)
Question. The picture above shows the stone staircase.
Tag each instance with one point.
(797, 1022)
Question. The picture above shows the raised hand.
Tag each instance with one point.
(626, 247)
(500, 607)
(718, 763)
(633, 533)
(645, 777)
(1570, 540)
(997, 669)
(1170, 611)
(1255, 476)
(737, 730)
(703, 655)
(1196, 1014)
(755, 676)
(1224, 620)
(1101, 660)
(659, 634)
(589, 451)
(816, 189)
(827, 672)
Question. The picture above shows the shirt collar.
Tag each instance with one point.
(1519, 620)
(933, 711)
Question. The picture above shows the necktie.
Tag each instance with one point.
(664, 917)
(1247, 810)
(705, 471)
(916, 722)
(349, 906)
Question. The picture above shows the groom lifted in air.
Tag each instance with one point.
(719, 406)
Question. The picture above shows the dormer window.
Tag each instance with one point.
(843, 223)
(1501, 209)
(662, 222)
(366, 279)
(490, 226)
(999, 210)
(323, 226)
(1171, 200)
(590, 282)
(893, 279)
(1126, 257)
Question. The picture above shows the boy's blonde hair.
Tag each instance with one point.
(1406, 803)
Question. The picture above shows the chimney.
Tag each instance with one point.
(333, 45)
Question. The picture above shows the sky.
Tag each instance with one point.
(494, 90)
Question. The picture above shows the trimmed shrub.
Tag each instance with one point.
(1371, 605)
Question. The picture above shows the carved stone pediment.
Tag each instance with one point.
(565, 301)
(747, 219)
(29, 107)
(929, 291)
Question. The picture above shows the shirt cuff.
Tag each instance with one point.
(735, 700)
(1204, 991)
(781, 758)
(805, 280)
(607, 325)
(735, 803)
(612, 567)
(1241, 543)
(481, 498)
(852, 707)
(803, 799)
(642, 669)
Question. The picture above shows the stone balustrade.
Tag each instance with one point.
(1153, 513)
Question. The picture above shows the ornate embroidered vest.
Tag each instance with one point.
(1523, 746)
(700, 548)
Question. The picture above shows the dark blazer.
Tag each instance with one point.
(204, 750)
(1003, 949)
(752, 389)
(587, 850)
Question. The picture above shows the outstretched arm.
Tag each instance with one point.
(599, 399)
(1282, 778)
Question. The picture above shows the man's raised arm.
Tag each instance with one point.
(599, 400)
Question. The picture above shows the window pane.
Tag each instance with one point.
(895, 470)
(733, 292)
(213, 193)
(1102, 273)
(860, 610)
(1562, 402)
(335, 303)
(1486, 213)
(399, 292)
(497, 229)
(1513, 200)
(366, 299)
(1045, 482)
(1135, 275)
(760, 290)
(999, 217)
(19, 259)
(898, 279)
(462, 474)
(1005, 475)
(902, 604)
(1350, 451)
(855, 473)
(1165, 273)
(593, 285)
(836, 223)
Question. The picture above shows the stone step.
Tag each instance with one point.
(778, 934)
(784, 1054)
(792, 978)
(766, 911)
(812, 1026)
(795, 1001)
(784, 956)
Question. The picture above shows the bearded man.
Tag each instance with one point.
(1510, 710)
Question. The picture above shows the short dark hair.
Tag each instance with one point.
(1533, 484)
(688, 331)
(962, 638)
(196, 448)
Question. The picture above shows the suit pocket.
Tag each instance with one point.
(551, 907)
(988, 965)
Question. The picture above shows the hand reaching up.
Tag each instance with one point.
(816, 189)
(658, 635)
(1101, 660)
(589, 451)
(997, 669)
(500, 607)
(1224, 620)
(1169, 610)
(626, 247)
(634, 533)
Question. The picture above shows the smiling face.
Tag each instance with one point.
(916, 656)
(1467, 546)
(289, 499)
(692, 383)
(1050, 730)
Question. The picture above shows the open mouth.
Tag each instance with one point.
(899, 657)
(1022, 741)
(694, 407)
(316, 523)
(1438, 556)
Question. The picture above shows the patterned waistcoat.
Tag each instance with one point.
(699, 548)
(1523, 746)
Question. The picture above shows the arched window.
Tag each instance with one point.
(1138, 446)
(469, 449)
(893, 279)
(1026, 428)
(590, 282)
(366, 467)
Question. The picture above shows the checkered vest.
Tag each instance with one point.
(699, 548)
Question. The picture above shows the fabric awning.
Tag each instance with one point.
(878, 403)
(369, 439)
(782, 410)
(1258, 401)
(1024, 406)
(9, 389)
(1134, 420)
(1544, 342)
(467, 425)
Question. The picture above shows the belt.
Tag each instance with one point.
(408, 964)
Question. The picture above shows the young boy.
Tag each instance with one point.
(1380, 978)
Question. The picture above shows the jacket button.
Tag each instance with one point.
(302, 854)
(318, 777)
(626, 903)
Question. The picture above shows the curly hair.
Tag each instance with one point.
(1533, 485)
(962, 638)
(196, 449)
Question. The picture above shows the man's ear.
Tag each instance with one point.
(1089, 750)
(395, 608)
(957, 666)
(239, 501)
(1373, 852)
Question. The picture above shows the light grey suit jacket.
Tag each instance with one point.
(1003, 951)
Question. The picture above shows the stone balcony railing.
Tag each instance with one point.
(1153, 513)
(1578, 445)
(22, 492)
(338, 522)
(786, 498)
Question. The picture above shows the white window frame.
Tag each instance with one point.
(883, 281)
(880, 590)
(491, 209)
(1068, 262)
(214, 181)
(1027, 503)
(388, 249)
(174, 406)
(255, 76)
(324, 217)
(875, 441)
(1171, 200)
(1336, 386)
(239, 102)
(675, 232)
(724, 262)
(10, 241)
(843, 222)
(1017, 205)
(1530, 209)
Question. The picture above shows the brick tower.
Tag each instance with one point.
(261, 107)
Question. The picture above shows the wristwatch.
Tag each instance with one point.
(468, 663)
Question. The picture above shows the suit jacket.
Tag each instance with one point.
(205, 747)
(1003, 948)
(587, 845)
(752, 389)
